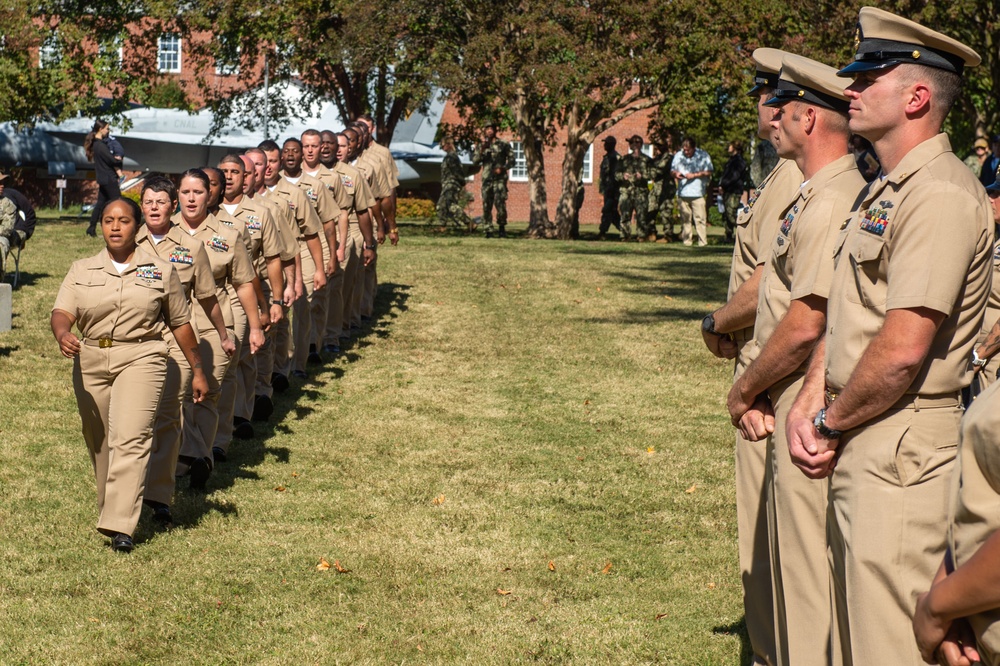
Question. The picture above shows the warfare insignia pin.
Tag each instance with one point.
(347, 181)
(885, 204)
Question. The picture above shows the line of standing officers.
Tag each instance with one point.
(863, 318)
(208, 298)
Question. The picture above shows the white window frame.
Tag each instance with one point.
(519, 172)
(161, 53)
(49, 53)
(223, 68)
(587, 169)
(647, 150)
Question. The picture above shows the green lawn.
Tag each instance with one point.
(514, 404)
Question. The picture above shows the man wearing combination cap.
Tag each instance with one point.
(727, 332)
(905, 306)
(810, 125)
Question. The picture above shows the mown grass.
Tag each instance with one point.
(513, 404)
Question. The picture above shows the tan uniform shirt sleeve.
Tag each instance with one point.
(176, 311)
(811, 257)
(242, 270)
(363, 197)
(203, 285)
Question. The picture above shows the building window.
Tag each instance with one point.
(519, 173)
(227, 62)
(169, 54)
(50, 51)
(587, 170)
(647, 150)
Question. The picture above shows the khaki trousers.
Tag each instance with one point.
(353, 279)
(319, 307)
(264, 359)
(753, 477)
(161, 474)
(201, 420)
(796, 511)
(888, 518)
(302, 314)
(371, 288)
(117, 392)
(693, 210)
(334, 309)
(231, 390)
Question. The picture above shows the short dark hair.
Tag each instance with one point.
(160, 183)
(689, 142)
(289, 140)
(267, 145)
(230, 158)
(199, 175)
(132, 206)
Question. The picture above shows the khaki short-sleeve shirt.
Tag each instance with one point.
(186, 255)
(135, 305)
(756, 225)
(319, 196)
(355, 184)
(301, 208)
(974, 513)
(391, 170)
(336, 187)
(921, 238)
(287, 229)
(800, 262)
(227, 253)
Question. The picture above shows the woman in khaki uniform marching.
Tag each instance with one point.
(190, 261)
(230, 264)
(122, 300)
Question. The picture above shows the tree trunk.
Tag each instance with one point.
(571, 167)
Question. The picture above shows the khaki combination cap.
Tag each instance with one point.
(806, 80)
(884, 40)
(768, 62)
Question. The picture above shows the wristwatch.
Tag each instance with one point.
(366, 246)
(708, 324)
(978, 362)
(281, 303)
(820, 423)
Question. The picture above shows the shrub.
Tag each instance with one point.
(414, 209)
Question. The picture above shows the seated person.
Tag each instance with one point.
(17, 220)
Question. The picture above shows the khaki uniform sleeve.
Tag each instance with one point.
(930, 260)
(176, 311)
(391, 169)
(203, 284)
(363, 198)
(340, 194)
(242, 270)
(67, 298)
(326, 205)
(270, 237)
(306, 217)
(813, 245)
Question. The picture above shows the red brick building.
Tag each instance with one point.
(518, 197)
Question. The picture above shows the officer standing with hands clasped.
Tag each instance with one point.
(727, 333)
(496, 158)
(121, 300)
(880, 407)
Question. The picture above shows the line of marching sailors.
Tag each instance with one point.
(868, 498)
(258, 266)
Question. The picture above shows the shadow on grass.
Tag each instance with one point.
(25, 279)
(740, 629)
(290, 406)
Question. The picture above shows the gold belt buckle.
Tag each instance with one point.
(104, 343)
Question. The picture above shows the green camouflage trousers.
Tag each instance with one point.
(495, 194)
(635, 199)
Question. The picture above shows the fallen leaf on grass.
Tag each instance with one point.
(650, 449)
(586, 402)
(691, 489)
(607, 568)
(598, 289)
(340, 569)
(503, 286)
(420, 648)
(552, 565)
(577, 301)
(280, 489)
(438, 500)
(295, 475)
(711, 586)
(323, 564)
(502, 592)
(669, 298)
(93, 619)
(505, 569)
(660, 616)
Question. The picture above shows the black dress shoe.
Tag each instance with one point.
(331, 349)
(241, 429)
(300, 374)
(262, 408)
(279, 382)
(314, 359)
(161, 512)
(218, 455)
(201, 469)
(122, 543)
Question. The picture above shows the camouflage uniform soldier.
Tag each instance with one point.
(633, 177)
(608, 188)
(451, 204)
(8, 216)
(661, 196)
(496, 158)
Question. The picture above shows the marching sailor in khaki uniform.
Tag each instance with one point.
(121, 301)
(159, 237)
(726, 333)
(905, 307)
